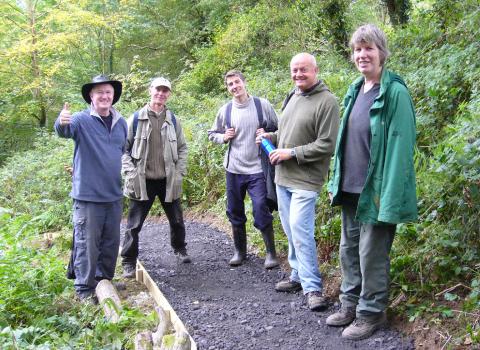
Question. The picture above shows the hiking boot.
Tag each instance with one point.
(363, 328)
(183, 257)
(316, 301)
(342, 317)
(87, 298)
(288, 286)
(129, 271)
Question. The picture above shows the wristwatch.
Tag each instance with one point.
(293, 153)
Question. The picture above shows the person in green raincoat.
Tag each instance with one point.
(373, 181)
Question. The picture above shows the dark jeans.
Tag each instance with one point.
(137, 213)
(237, 187)
(97, 237)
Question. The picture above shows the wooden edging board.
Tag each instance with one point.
(142, 276)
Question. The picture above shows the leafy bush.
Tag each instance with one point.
(36, 182)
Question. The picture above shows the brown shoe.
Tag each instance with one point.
(342, 317)
(288, 286)
(316, 301)
(363, 328)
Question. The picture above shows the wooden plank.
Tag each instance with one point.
(143, 277)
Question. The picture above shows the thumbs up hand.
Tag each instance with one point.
(65, 117)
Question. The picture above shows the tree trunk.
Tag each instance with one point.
(398, 11)
(36, 72)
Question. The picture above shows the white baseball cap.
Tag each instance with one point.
(161, 81)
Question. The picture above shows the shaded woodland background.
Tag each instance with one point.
(48, 49)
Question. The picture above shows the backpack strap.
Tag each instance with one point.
(135, 121)
(258, 106)
(289, 96)
(174, 119)
(228, 115)
(228, 124)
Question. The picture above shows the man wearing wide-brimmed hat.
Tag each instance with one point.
(99, 133)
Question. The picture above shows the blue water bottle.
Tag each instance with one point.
(267, 146)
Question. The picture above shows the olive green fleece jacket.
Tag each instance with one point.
(309, 124)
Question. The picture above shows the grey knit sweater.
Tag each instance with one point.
(242, 156)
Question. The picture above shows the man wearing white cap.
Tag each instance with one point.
(154, 164)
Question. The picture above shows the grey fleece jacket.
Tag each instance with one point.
(309, 124)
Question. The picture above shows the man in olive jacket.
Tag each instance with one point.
(306, 140)
(154, 164)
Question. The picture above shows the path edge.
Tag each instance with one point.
(143, 277)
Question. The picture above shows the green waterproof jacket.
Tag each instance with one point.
(389, 193)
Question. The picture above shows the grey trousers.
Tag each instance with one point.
(97, 238)
(365, 262)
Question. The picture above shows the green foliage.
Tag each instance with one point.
(15, 137)
(442, 247)
(193, 43)
(248, 41)
(36, 309)
(445, 78)
(36, 182)
(28, 290)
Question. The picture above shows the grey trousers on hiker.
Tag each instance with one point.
(97, 238)
(365, 262)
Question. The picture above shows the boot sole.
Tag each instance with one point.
(339, 323)
(269, 267)
(289, 290)
(366, 335)
(319, 307)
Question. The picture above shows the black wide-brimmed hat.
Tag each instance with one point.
(102, 79)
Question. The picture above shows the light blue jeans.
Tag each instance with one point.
(297, 213)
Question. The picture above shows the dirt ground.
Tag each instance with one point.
(237, 308)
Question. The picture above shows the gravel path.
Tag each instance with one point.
(237, 308)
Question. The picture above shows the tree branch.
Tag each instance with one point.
(15, 23)
(144, 47)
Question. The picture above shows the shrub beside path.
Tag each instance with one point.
(237, 308)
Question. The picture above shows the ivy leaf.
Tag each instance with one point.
(450, 297)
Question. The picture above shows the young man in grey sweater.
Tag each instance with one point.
(237, 124)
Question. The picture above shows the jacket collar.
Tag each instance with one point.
(385, 80)
(115, 114)
(143, 114)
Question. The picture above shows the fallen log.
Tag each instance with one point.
(108, 297)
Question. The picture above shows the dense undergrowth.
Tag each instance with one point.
(36, 308)
(435, 266)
